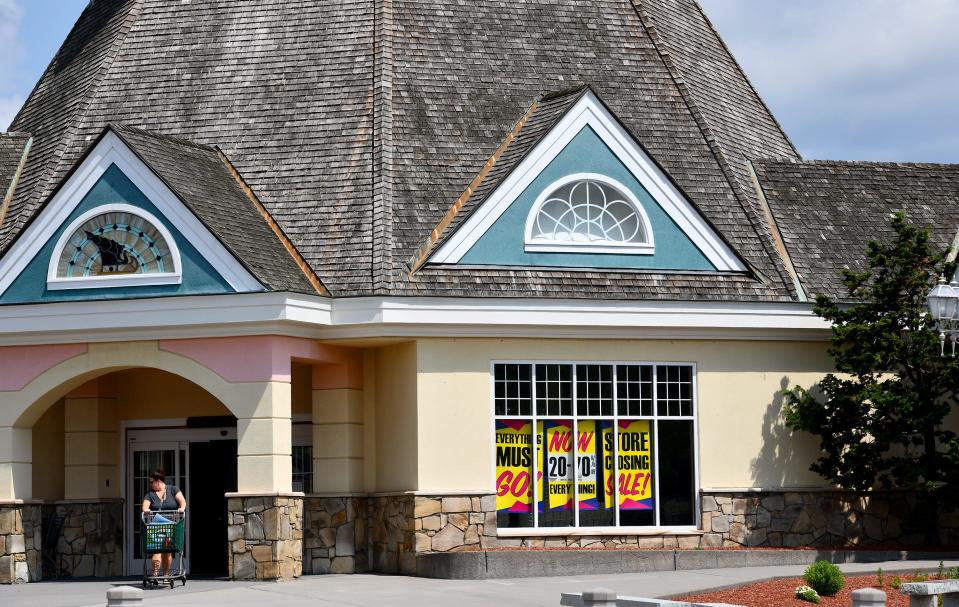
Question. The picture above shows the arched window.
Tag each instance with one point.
(588, 213)
(114, 245)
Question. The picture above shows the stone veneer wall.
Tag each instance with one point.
(386, 533)
(453, 524)
(335, 538)
(392, 543)
(21, 540)
(818, 518)
(266, 537)
(90, 543)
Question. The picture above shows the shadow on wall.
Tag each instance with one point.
(785, 457)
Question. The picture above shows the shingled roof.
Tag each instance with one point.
(14, 148)
(358, 124)
(827, 211)
(204, 181)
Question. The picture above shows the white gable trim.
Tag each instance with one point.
(588, 111)
(109, 151)
(55, 283)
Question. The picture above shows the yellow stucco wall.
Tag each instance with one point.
(302, 388)
(48, 454)
(396, 418)
(154, 394)
(742, 440)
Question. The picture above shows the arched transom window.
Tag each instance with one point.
(588, 213)
(114, 245)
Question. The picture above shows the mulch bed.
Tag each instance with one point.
(779, 593)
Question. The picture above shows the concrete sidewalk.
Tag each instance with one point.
(395, 591)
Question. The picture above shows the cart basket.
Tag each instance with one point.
(163, 531)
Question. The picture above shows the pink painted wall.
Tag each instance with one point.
(22, 364)
(258, 358)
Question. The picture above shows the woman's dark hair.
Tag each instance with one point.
(158, 475)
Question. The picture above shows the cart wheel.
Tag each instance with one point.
(171, 584)
(144, 582)
(183, 582)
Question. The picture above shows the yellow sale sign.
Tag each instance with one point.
(559, 464)
(514, 466)
(635, 465)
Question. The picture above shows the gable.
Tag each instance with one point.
(197, 276)
(588, 142)
(114, 230)
(586, 156)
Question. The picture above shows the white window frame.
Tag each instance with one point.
(576, 530)
(56, 283)
(628, 248)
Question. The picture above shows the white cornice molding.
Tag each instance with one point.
(589, 111)
(401, 317)
(109, 151)
(162, 317)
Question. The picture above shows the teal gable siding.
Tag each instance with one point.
(503, 242)
(199, 277)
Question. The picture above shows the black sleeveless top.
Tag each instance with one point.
(169, 503)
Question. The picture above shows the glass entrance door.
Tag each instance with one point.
(144, 458)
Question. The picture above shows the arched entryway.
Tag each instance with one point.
(78, 434)
(93, 450)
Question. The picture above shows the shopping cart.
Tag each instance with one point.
(163, 534)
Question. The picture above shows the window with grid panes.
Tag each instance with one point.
(608, 444)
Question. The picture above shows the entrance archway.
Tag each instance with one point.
(112, 432)
(108, 391)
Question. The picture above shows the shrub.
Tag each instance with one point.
(880, 579)
(805, 593)
(896, 583)
(824, 577)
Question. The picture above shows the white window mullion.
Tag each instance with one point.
(656, 476)
(615, 495)
(574, 374)
(575, 473)
(536, 455)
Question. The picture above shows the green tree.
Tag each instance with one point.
(880, 418)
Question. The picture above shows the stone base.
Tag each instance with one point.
(819, 518)
(392, 544)
(468, 523)
(335, 538)
(21, 540)
(478, 565)
(90, 543)
(266, 537)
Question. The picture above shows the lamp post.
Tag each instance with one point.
(944, 308)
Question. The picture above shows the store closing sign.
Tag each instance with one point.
(635, 465)
(593, 465)
(514, 467)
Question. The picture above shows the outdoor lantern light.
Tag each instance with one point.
(944, 308)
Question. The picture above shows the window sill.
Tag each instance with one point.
(596, 531)
(604, 248)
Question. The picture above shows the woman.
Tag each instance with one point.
(162, 497)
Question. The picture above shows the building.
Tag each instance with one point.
(347, 263)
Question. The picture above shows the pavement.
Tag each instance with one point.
(368, 590)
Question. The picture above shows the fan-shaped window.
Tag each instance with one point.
(114, 245)
(588, 213)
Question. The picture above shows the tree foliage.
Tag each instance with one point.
(880, 418)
